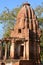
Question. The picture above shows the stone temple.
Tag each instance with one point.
(24, 48)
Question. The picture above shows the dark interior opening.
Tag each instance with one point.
(18, 49)
(3, 52)
(21, 50)
(8, 51)
(19, 30)
(2, 63)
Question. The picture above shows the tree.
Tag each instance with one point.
(9, 18)
(39, 12)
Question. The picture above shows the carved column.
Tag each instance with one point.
(12, 49)
(5, 51)
(27, 50)
(0, 63)
(24, 53)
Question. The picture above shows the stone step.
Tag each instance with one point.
(16, 63)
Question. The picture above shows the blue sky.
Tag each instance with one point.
(14, 3)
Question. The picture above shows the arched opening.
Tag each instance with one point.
(19, 47)
(2, 63)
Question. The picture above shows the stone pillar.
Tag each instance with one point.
(0, 63)
(5, 51)
(24, 53)
(27, 50)
(38, 52)
(12, 49)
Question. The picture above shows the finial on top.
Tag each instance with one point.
(26, 4)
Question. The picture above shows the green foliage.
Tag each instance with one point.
(9, 18)
(9, 24)
(40, 19)
(9, 15)
(39, 12)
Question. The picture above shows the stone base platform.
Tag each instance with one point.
(27, 62)
(17, 62)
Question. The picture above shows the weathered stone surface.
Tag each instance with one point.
(28, 24)
(25, 38)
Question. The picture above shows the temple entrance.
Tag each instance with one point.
(2, 63)
(19, 50)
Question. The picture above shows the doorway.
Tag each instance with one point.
(2, 63)
(21, 50)
(18, 49)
